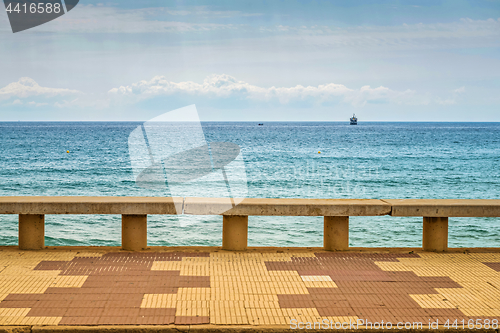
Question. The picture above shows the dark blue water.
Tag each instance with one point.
(370, 160)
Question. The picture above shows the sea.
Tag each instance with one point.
(377, 160)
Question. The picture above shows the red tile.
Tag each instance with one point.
(87, 304)
(18, 304)
(336, 312)
(125, 297)
(123, 304)
(120, 312)
(331, 304)
(47, 312)
(52, 304)
(84, 312)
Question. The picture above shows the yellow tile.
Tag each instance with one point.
(166, 266)
(193, 294)
(263, 298)
(229, 320)
(192, 308)
(433, 301)
(159, 301)
(11, 320)
(316, 278)
(14, 312)
(480, 312)
(69, 281)
(227, 304)
(320, 284)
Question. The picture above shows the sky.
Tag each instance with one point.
(256, 61)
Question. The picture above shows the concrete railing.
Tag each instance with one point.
(336, 212)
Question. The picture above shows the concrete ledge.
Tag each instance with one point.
(250, 206)
(15, 329)
(444, 207)
(287, 207)
(252, 249)
(235, 212)
(90, 205)
(203, 328)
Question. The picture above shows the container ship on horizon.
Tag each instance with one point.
(354, 120)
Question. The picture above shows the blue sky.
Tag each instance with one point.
(257, 61)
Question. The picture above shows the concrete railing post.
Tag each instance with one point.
(336, 233)
(435, 234)
(234, 232)
(31, 231)
(134, 232)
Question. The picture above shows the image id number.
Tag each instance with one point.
(34, 8)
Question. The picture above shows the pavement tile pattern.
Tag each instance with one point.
(249, 288)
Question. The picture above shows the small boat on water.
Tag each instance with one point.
(354, 120)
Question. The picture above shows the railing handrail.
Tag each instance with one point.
(287, 207)
(89, 205)
(249, 206)
(336, 212)
(445, 207)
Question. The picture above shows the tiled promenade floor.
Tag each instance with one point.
(112, 287)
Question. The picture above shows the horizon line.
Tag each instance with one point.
(255, 121)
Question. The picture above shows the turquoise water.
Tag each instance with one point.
(371, 160)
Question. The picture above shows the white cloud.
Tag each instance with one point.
(225, 86)
(456, 95)
(216, 87)
(32, 103)
(27, 88)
